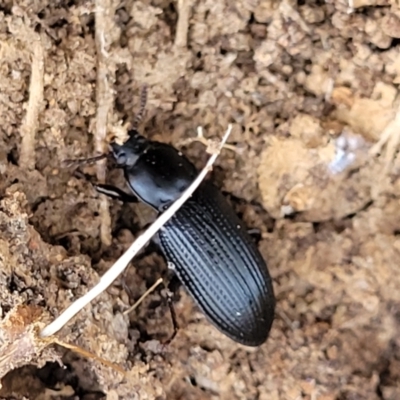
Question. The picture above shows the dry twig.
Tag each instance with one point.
(87, 354)
(105, 101)
(35, 105)
(209, 143)
(182, 27)
(144, 295)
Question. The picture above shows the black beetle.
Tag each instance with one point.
(206, 243)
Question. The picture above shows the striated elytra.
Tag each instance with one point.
(212, 254)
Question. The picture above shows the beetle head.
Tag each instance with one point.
(127, 154)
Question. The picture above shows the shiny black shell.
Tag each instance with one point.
(209, 247)
(160, 175)
(220, 266)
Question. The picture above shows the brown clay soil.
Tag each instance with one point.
(312, 90)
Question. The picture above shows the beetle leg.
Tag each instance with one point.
(256, 234)
(174, 321)
(116, 193)
(171, 283)
(241, 201)
(167, 294)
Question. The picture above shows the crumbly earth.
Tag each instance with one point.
(312, 90)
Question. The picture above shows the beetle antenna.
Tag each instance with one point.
(143, 101)
(82, 161)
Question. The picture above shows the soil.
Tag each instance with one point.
(311, 88)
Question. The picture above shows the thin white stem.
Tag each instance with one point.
(108, 278)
